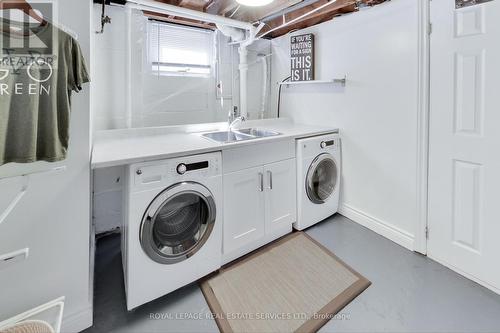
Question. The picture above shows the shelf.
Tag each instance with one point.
(342, 82)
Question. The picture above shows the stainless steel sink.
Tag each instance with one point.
(227, 136)
(258, 132)
(239, 135)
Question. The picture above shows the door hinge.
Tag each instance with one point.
(426, 232)
(429, 28)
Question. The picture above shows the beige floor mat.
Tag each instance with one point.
(293, 284)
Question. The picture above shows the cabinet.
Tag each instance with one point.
(280, 195)
(243, 208)
(259, 206)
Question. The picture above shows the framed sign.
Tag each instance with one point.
(302, 57)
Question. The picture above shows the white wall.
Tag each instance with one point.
(377, 111)
(160, 101)
(109, 82)
(52, 219)
(163, 100)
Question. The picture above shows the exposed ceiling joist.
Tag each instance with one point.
(297, 14)
(221, 7)
(176, 20)
(259, 13)
(307, 16)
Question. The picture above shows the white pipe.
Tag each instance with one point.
(237, 35)
(263, 59)
(164, 8)
(243, 67)
(299, 18)
(243, 50)
(128, 64)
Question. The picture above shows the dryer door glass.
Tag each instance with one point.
(321, 180)
(177, 223)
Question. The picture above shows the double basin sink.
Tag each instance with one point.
(239, 135)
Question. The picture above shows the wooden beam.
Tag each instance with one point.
(308, 20)
(249, 14)
(221, 7)
(171, 2)
(252, 14)
(198, 5)
(176, 20)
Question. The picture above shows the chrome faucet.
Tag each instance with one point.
(236, 120)
(232, 120)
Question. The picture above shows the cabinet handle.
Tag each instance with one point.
(261, 177)
(270, 173)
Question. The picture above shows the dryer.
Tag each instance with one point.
(318, 179)
(172, 232)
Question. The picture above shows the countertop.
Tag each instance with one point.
(126, 146)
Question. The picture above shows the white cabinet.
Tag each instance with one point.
(280, 195)
(243, 208)
(259, 201)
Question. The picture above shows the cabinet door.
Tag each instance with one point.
(243, 208)
(281, 194)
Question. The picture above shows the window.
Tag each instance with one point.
(180, 50)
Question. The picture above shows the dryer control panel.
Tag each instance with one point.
(316, 145)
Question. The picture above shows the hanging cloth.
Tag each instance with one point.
(38, 71)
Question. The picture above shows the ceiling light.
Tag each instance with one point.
(254, 3)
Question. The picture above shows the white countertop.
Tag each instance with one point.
(126, 146)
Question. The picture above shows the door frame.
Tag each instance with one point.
(423, 113)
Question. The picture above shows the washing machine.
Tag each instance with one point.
(318, 179)
(172, 232)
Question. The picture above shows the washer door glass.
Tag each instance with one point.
(177, 223)
(321, 178)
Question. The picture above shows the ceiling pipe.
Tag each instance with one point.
(236, 35)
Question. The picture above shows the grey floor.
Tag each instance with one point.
(409, 292)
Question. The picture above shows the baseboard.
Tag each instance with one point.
(468, 276)
(382, 228)
(77, 322)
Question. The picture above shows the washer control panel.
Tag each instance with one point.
(177, 169)
(196, 166)
(182, 168)
(325, 144)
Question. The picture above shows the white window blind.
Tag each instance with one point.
(180, 50)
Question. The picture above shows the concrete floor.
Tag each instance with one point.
(409, 292)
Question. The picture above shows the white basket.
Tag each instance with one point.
(47, 316)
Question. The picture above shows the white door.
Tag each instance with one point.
(281, 195)
(243, 208)
(464, 170)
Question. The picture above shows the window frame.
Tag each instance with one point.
(156, 65)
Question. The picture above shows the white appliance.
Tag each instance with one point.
(318, 179)
(172, 232)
